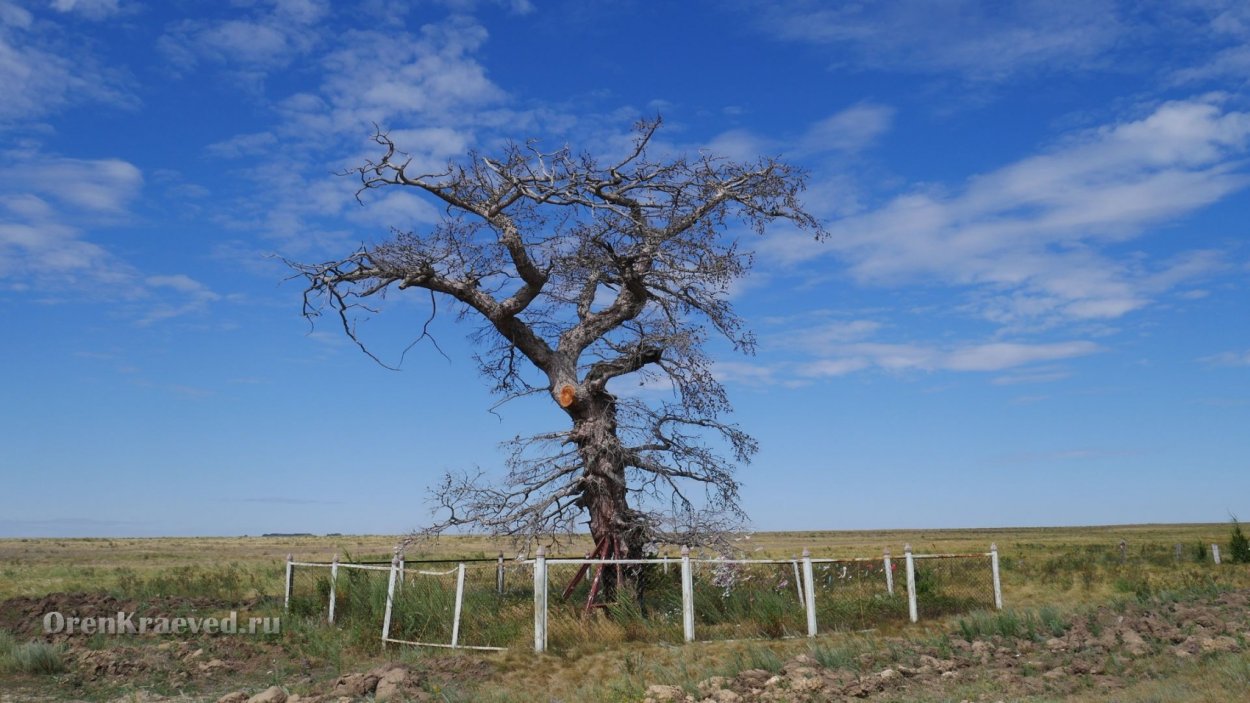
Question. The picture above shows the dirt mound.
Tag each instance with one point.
(23, 616)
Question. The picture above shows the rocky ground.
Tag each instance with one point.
(390, 682)
(1104, 649)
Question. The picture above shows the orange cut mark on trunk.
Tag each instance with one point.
(567, 395)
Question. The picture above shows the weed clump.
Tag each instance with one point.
(29, 658)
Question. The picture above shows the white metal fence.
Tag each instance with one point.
(823, 593)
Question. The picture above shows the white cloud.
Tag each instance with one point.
(41, 74)
(852, 129)
(980, 41)
(46, 205)
(242, 145)
(194, 297)
(1043, 375)
(824, 368)
(431, 76)
(1232, 63)
(12, 15)
(818, 338)
(91, 9)
(49, 208)
(1031, 238)
(182, 283)
(43, 253)
(743, 372)
(426, 88)
(1231, 358)
(799, 354)
(96, 186)
(272, 36)
(994, 356)
(740, 145)
(1004, 355)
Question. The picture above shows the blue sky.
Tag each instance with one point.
(1032, 309)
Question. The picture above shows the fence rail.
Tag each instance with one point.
(461, 607)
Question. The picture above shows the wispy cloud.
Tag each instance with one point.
(271, 36)
(50, 207)
(825, 352)
(743, 372)
(1229, 358)
(852, 129)
(432, 79)
(1064, 455)
(993, 356)
(91, 9)
(40, 73)
(979, 41)
(1045, 375)
(820, 337)
(242, 145)
(46, 205)
(432, 74)
(1030, 239)
(192, 297)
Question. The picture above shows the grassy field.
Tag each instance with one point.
(1048, 573)
(33, 567)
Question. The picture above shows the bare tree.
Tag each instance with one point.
(581, 273)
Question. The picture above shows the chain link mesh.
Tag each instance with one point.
(953, 585)
(854, 595)
(748, 600)
(310, 591)
(732, 599)
(649, 612)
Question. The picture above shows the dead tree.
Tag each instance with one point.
(581, 274)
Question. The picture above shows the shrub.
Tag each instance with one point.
(1238, 545)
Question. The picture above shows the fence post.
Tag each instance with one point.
(400, 585)
(455, 621)
(390, 600)
(499, 575)
(334, 582)
(911, 584)
(540, 600)
(889, 572)
(809, 592)
(1215, 553)
(666, 562)
(998, 584)
(286, 593)
(798, 581)
(687, 595)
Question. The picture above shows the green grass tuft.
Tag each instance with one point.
(38, 658)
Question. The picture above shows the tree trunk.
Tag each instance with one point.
(604, 489)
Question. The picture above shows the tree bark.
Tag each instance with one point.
(604, 491)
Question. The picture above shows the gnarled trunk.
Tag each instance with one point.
(604, 491)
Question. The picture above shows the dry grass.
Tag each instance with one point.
(33, 567)
(1067, 567)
